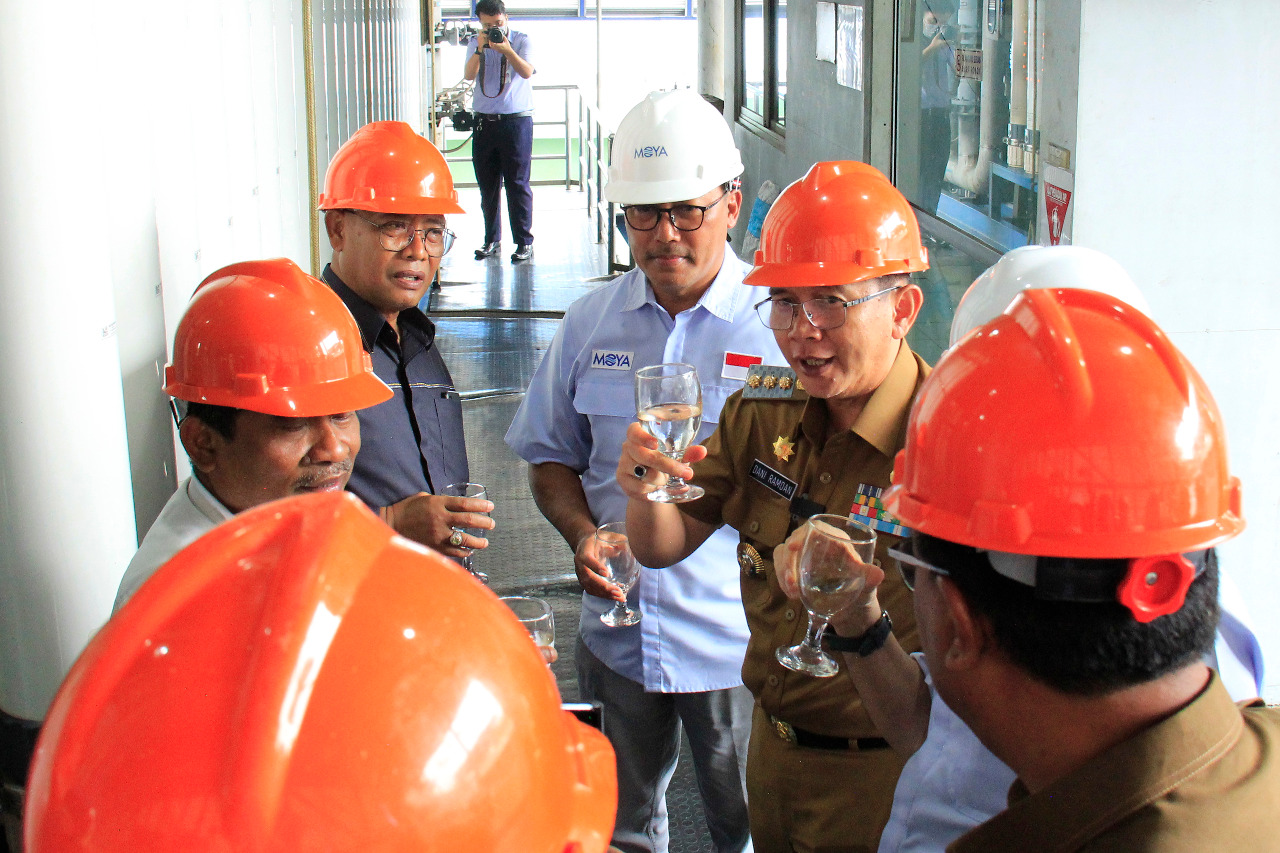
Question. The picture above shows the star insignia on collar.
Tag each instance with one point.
(783, 448)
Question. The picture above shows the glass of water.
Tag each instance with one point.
(615, 552)
(669, 407)
(830, 578)
(536, 617)
(469, 490)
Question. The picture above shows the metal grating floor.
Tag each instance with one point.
(494, 323)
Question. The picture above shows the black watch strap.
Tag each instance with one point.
(867, 643)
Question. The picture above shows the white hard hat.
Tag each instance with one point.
(671, 146)
(1032, 267)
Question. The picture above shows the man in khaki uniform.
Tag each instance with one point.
(836, 251)
(1066, 582)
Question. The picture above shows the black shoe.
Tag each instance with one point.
(488, 250)
(523, 252)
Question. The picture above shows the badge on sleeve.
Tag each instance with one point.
(737, 365)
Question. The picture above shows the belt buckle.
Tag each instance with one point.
(784, 730)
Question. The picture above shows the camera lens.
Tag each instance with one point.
(495, 35)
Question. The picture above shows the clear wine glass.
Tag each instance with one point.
(830, 579)
(537, 618)
(669, 406)
(615, 552)
(470, 490)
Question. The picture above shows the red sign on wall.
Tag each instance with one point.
(1056, 202)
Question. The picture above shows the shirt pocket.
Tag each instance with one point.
(611, 397)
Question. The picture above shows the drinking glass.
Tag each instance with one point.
(469, 490)
(830, 579)
(536, 617)
(669, 406)
(615, 553)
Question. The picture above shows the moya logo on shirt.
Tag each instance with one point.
(611, 360)
(651, 151)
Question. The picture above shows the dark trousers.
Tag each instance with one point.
(935, 150)
(502, 152)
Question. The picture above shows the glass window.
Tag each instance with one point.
(952, 154)
(763, 93)
(952, 268)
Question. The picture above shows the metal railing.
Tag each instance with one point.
(592, 164)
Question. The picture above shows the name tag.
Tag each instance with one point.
(611, 359)
(772, 480)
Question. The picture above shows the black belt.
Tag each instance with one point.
(500, 116)
(813, 740)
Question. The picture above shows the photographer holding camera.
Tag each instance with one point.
(502, 149)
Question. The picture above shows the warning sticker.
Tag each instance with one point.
(1056, 202)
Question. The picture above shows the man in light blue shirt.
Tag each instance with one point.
(674, 168)
(500, 61)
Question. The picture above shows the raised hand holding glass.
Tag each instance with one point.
(830, 578)
(669, 407)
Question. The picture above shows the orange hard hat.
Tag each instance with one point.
(266, 337)
(387, 168)
(301, 678)
(842, 222)
(1069, 426)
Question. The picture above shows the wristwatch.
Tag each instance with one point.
(867, 643)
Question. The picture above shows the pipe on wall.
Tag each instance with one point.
(971, 167)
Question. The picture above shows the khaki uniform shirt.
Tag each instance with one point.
(792, 436)
(1205, 779)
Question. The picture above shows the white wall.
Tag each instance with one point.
(1177, 178)
(171, 139)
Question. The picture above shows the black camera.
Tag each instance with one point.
(496, 35)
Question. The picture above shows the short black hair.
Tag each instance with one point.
(1082, 648)
(220, 419)
(490, 7)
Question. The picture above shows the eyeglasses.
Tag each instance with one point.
(396, 235)
(683, 217)
(908, 562)
(824, 312)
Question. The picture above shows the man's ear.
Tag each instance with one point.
(335, 225)
(970, 632)
(906, 308)
(202, 443)
(733, 206)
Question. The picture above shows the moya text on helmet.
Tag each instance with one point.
(651, 151)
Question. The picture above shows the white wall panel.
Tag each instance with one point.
(1176, 179)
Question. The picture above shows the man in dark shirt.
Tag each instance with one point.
(386, 193)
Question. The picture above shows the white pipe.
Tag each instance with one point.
(971, 170)
(1018, 50)
(66, 504)
(1034, 46)
(711, 48)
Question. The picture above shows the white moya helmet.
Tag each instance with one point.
(670, 147)
(1034, 267)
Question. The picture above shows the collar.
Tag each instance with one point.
(883, 421)
(371, 323)
(1124, 779)
(719, 299)
(203, 499)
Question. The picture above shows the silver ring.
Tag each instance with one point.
(455, 539)
(639, 471)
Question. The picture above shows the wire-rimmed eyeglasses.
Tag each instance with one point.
(903, 555)
(683, 217)
(824, 312)
(396, 235)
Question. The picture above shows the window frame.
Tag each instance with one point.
(768, 126)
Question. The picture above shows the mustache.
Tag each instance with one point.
(329, 472)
